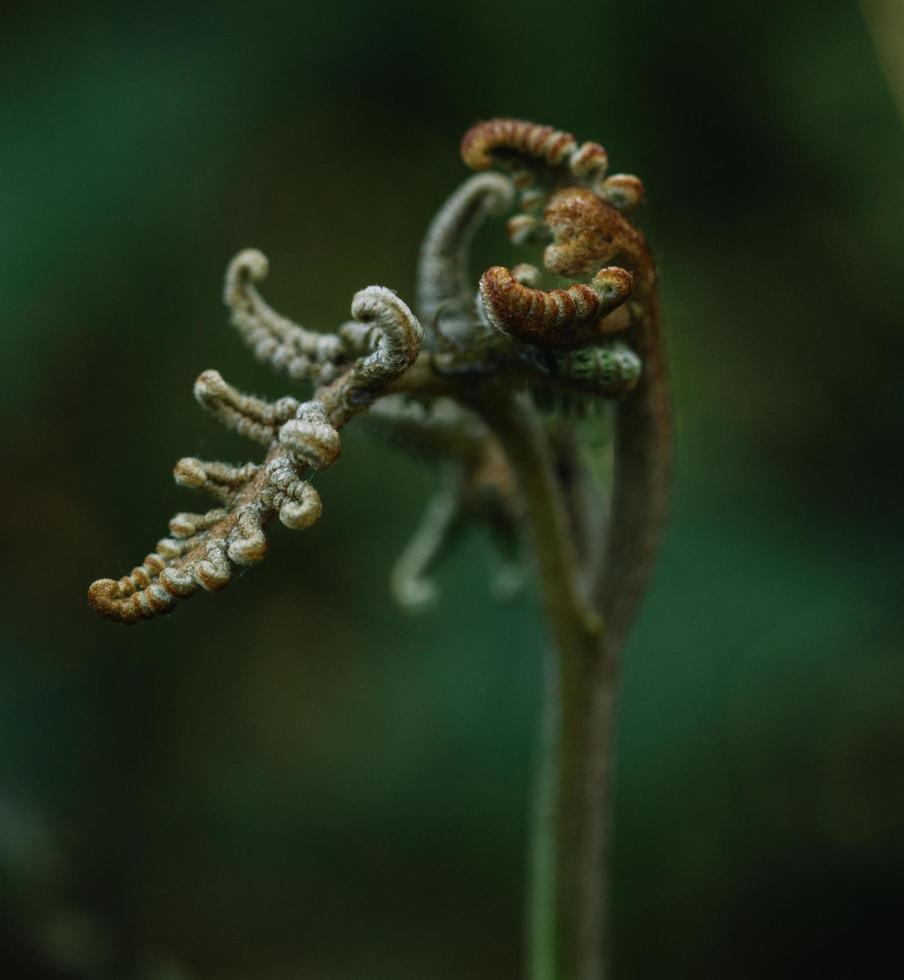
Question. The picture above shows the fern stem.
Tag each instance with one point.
(565, 904)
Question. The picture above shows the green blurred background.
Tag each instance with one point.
(294, 780)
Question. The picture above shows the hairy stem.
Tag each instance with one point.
(565, 902)
(589, 620)
(643, 461)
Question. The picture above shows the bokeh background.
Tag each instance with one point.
(294, 780)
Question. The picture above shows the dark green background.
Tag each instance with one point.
(293, 780)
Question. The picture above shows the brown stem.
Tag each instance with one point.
(643, 461)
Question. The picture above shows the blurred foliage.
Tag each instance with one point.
(294, 780)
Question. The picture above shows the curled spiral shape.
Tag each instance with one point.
(556, 318)
(482, 143)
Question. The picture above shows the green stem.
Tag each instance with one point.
(565, 904)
